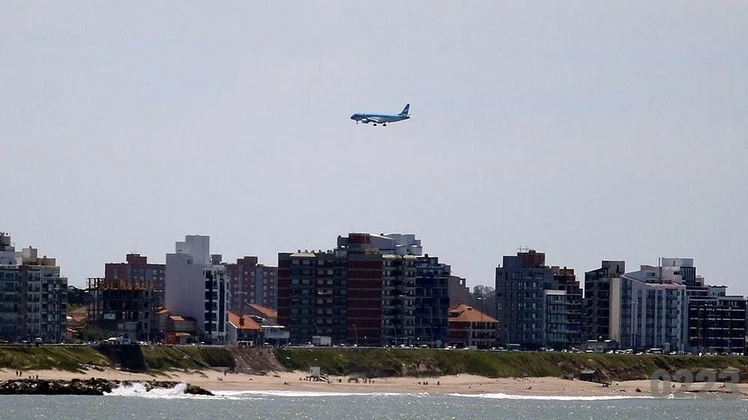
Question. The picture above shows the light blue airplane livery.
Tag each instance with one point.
(381, 118)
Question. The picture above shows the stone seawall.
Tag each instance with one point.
(92, 386)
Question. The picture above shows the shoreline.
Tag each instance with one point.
(218, 381)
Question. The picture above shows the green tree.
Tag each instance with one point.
(483, 298)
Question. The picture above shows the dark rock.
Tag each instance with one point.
(196, 390)
(91, 386)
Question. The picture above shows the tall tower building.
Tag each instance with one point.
(597, 298)
(520, 301)
(564, 311)
(537, 306)
(197, 286)
(33, 295)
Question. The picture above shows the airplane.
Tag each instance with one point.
(381, 118)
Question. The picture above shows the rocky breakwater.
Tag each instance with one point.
(92, 386)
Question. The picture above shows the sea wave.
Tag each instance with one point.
(501, 396)
(138, 389)
(177, 392)
(301, 394)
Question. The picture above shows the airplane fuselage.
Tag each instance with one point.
(381, 118)
(378, 118)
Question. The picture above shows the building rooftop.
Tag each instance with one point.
(243, 322)
(303, 255)
(78, 312)
(264, 311)
(466, 313)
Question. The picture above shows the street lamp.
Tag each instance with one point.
(356, 331)
(480, 327)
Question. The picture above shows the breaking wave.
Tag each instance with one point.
(301, 394)
(177, 392)
(139, 390)
(501, 396)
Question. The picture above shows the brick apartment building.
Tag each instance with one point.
(137, 270)
(251, 283)
(370, 290)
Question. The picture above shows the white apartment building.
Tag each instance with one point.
(648, 309)
(197, 286)
(33, 296)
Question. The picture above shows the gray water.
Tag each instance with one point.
(282, 405)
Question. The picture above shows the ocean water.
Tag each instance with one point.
(135, 403)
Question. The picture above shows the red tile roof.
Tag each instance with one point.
(266, 312)
(248, 323)
(466, 313)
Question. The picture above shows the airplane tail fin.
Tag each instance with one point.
(405, 110)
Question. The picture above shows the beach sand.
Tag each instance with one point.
(216, 380)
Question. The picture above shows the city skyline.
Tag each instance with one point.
(273, 262)
(586, 131)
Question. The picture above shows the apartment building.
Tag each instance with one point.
(197, 287)
(564, 315)
(716, 321)
(520, 282)
(597, 298)
(537, 305)
(123, 306)
(459, 293)
(648, 309)
(251, 283)
(33, 295)
(137, 270)
(371, 289)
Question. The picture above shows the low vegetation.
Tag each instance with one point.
(187, 357)
(374, 362)
(69, 358)
(427, 362)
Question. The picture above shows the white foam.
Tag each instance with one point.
(138, 389)
(501, 396)
(280, 393)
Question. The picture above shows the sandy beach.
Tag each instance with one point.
(295, 381)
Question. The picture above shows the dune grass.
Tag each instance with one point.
(68, 358)
(187, 357)
(376, 362)
(428, 362)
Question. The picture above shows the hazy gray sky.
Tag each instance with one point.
(582, 130)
